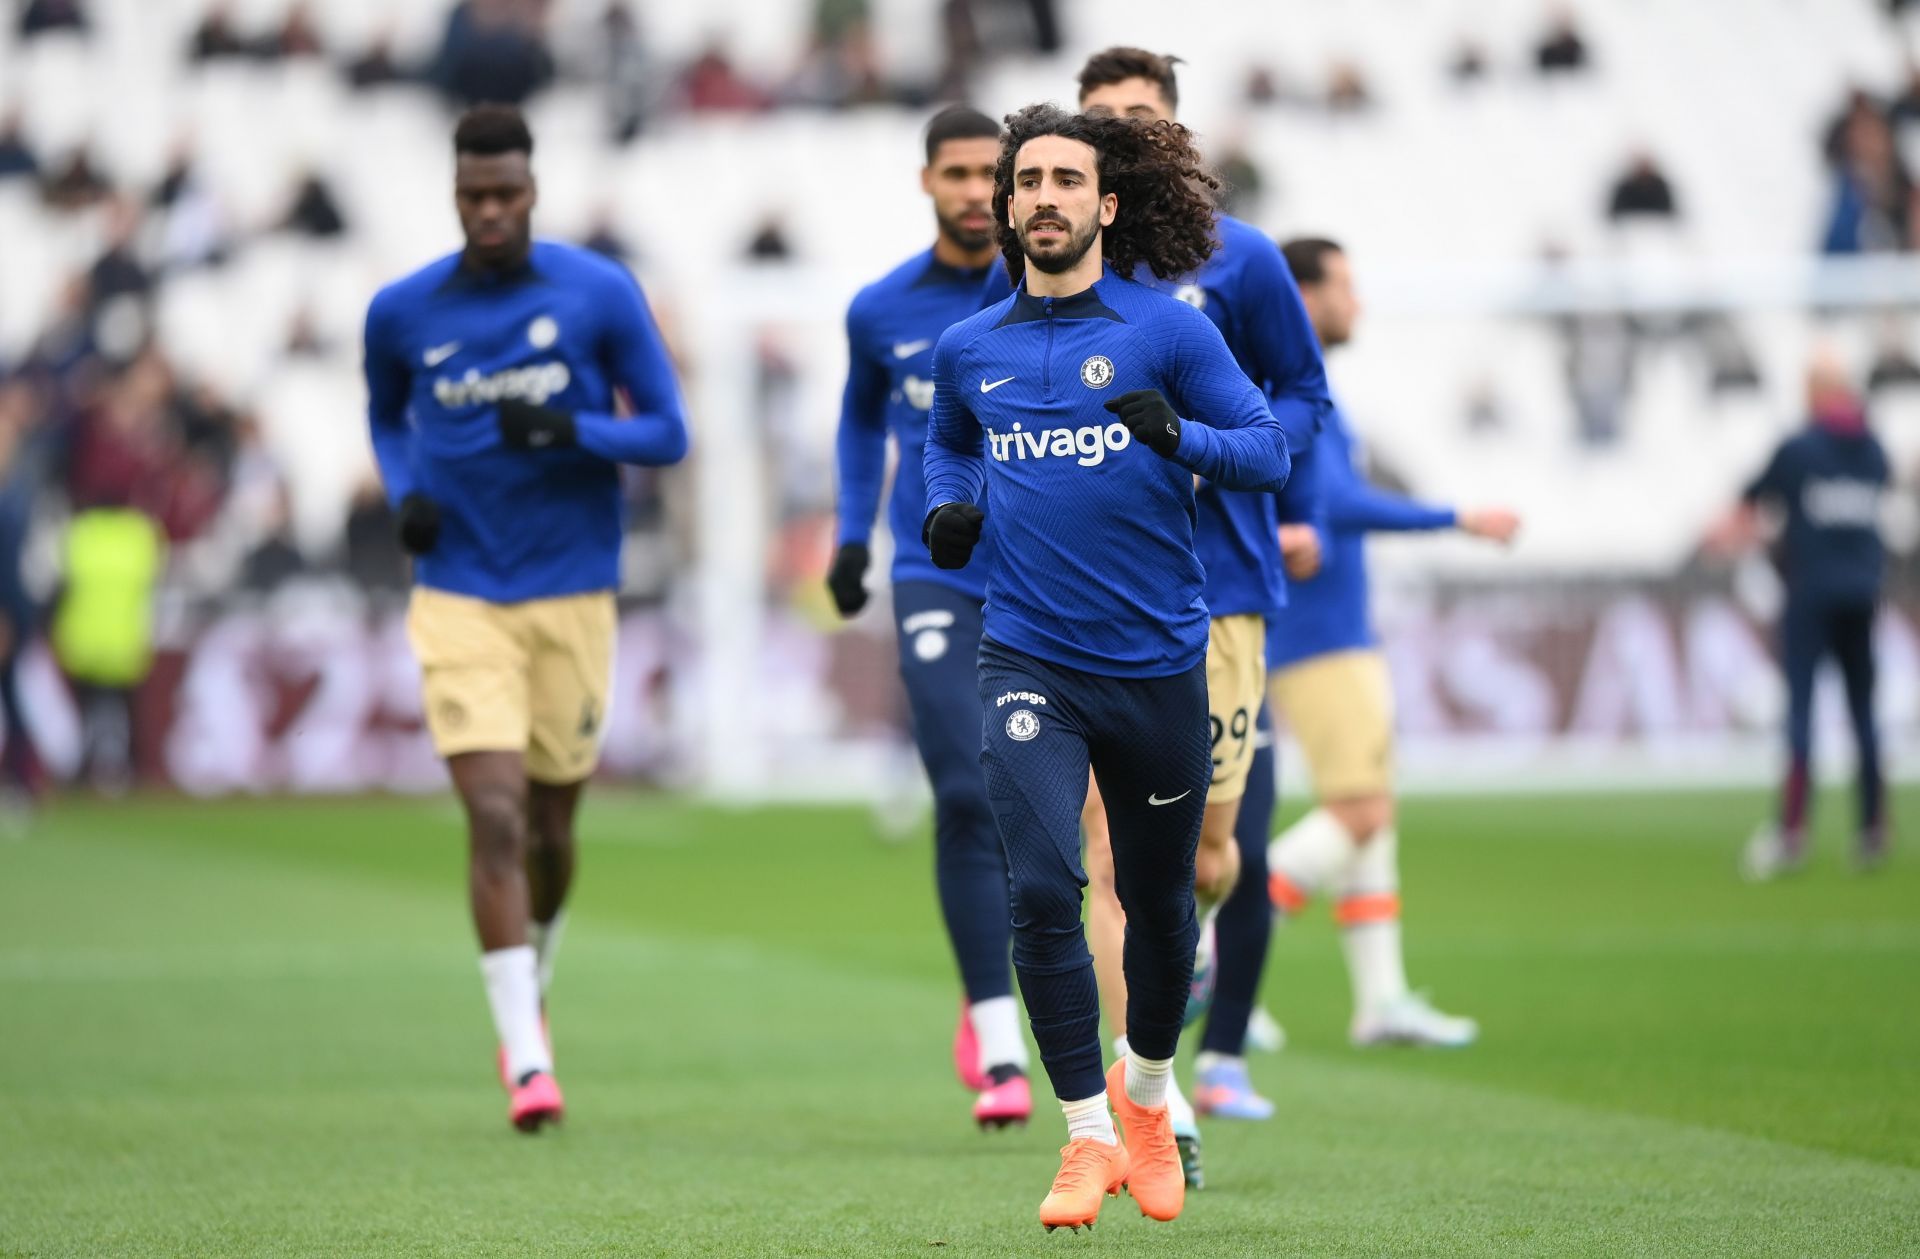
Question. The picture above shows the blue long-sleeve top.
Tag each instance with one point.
(892, 326)
(1095, 567)
(1249, 293)
(447, 344)
(1829, 482)
(1332, 611)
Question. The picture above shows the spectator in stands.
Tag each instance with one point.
(76, 185)
(1562, 50)
(493, 50)
(215, 37)
(303, 337)
(377, 66)
(41, 16)
(1894, 365)
(193, 225)
(1469, 64)
(1241, 182)
(769, 241)
(297, 37)
(118, 271)
(1347, 89)
(619, 60)
(1262, 87)
(1642, 191)
(17, 157)
(1861, 109)
(274, 559)
(1873, 202)
(315, 210)
(604, 237)
(711, 84)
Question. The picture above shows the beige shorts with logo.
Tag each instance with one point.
(1340, 707)
(525, 677)
(1236, 674)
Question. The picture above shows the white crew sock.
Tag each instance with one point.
(545, 937)
(1306, 859)
(1147, 1079)
(513, 992)
(1369, 918)
(1090, 1118)
(996, 1025)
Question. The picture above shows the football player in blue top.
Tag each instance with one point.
(892, 326)
(1245, 289)
(506, 383)
(1088, 403)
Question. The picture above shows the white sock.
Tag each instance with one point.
(1179, 1109)
(545, 937)
(996, 1025)
(1120, 1045)
(513, 992)
(1307, 858)
(1369, 917)
(1090, 1118)
(1147, 1079)
(1206, 1060)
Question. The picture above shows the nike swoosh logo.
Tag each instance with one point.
(1154, 799)
(907, 349)
(440, 354)
(990, 386)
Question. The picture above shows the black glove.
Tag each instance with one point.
(419, 523)
(844, 578)
(524, 426)
(951, 531)
(1150, 418)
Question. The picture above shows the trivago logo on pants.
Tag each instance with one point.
(1091, 443)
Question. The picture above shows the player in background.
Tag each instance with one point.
(1330, 682)
(1248, 293)
(1827, 482)
(493, 377)
(1067, 400)
(892, 326)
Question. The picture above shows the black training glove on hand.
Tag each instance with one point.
(419, 523)
(951, 531)
(845, 577)
(1150, 418)
(524, 426)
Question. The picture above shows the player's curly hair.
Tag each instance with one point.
(1166, 213)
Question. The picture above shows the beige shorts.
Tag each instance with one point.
(1236, 672)
(1340, 707)
(525, 677)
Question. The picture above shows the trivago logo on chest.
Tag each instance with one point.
(1089, 444)
(535, 383)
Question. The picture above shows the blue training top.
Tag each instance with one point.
(1331, 611)
(445, 345)
(1249, 292)
(1829, 482)
(1096, 568)
(892, 326)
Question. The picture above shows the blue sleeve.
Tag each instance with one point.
(955, 463)
(1231, 437)
(1359, 507)
(388, 382)
(1283, 347)
(1303, 499)
(860, 447)
(636, 358)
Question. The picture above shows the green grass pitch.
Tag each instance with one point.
(256, 1028)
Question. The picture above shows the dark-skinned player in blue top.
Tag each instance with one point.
(892, 326)
(506, 384)
(1084, 406)
(1827, 484)
(1246, 290)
